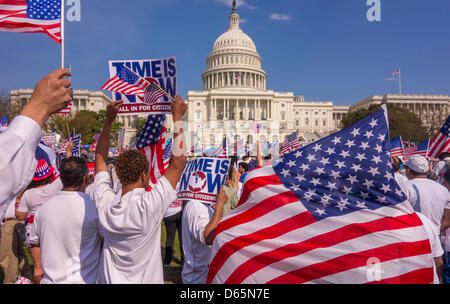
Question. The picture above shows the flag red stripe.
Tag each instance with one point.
(256, 183)
(355, 260)
(322, 241)
(418, 276)
(262, 208)
(271, 232)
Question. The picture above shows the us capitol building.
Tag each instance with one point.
(235, 97)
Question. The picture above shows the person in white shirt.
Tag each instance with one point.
(65, 236)
(407, 187)
(19, 141)
(41, 190)
(432, 197)
(199, 222)
(132, 225)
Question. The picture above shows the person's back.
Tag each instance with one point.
(65, 237)
(69, 239)
(432, 199)
(132, 249)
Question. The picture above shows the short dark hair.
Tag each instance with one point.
(244, 166)
(447, 176)
(41, 182)
(130, 165)
(443, 155)
(73, 170)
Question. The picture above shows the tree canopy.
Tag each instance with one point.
(401, 122)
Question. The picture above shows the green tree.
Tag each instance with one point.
(401, 122)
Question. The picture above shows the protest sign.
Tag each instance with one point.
(163, 71)
(202, 179)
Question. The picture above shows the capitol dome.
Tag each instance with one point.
(234, 61)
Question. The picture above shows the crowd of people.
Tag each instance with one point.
(107, 229)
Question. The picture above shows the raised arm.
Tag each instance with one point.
(101, 152)
(178, 160)
(210, 229)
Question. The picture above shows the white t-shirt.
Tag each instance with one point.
(90, 191)
(196, 253)
(447, 234)
(406, 187)
(436, 247)
(67, 229)
(34, 198)
(132, 228)
(174, 208)
(432, 199)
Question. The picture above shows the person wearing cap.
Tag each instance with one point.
(66, 236)
(19, 141)
(440, 167)
(40, 190)
(407, 187)
(431, 196)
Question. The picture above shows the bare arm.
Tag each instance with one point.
(35, 251)
(258, 154)
(69, 149)
(178, 159)
(445, 224)
(101, 152)
(210, 229)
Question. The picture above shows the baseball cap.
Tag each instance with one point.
(418, 164)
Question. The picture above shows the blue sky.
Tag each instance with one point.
(321, 49)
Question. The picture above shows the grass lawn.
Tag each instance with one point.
(172, 273)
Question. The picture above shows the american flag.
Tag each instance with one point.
(152, 93)
(290, 143)
(222, 151)
(330, 212)
(63, 148)
(396, 72)
(4, 121)
(31, 16)
(422, 148)
(96, 137)
(397, 147)
(126, 82)
(167, 154)
(151, 142)
(441, 142)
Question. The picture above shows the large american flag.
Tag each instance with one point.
(397, 147)
(31, 16)
(290, 143)
(441, 142)
(126, 82)
(152, 93)
(330, 212)
(151, 142)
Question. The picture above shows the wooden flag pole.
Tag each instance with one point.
(68, 130)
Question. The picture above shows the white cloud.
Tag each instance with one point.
(239, 3)
(280, 17)
(243, 20)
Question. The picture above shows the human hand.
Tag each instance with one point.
(51, 94)
(112, 110)
(179, 107)
(38, 275)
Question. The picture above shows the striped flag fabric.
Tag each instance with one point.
(410, 151)
(167, 154)
(441, 142)
(222, 151)
(396, 72)
(330, 212)
(4, 123)
(63, 148)
(96, 137)
(290, 143)
(152, 93)
(126, 82)
(422, 148)
(151, 142)
(31, 16)
(397, 148)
